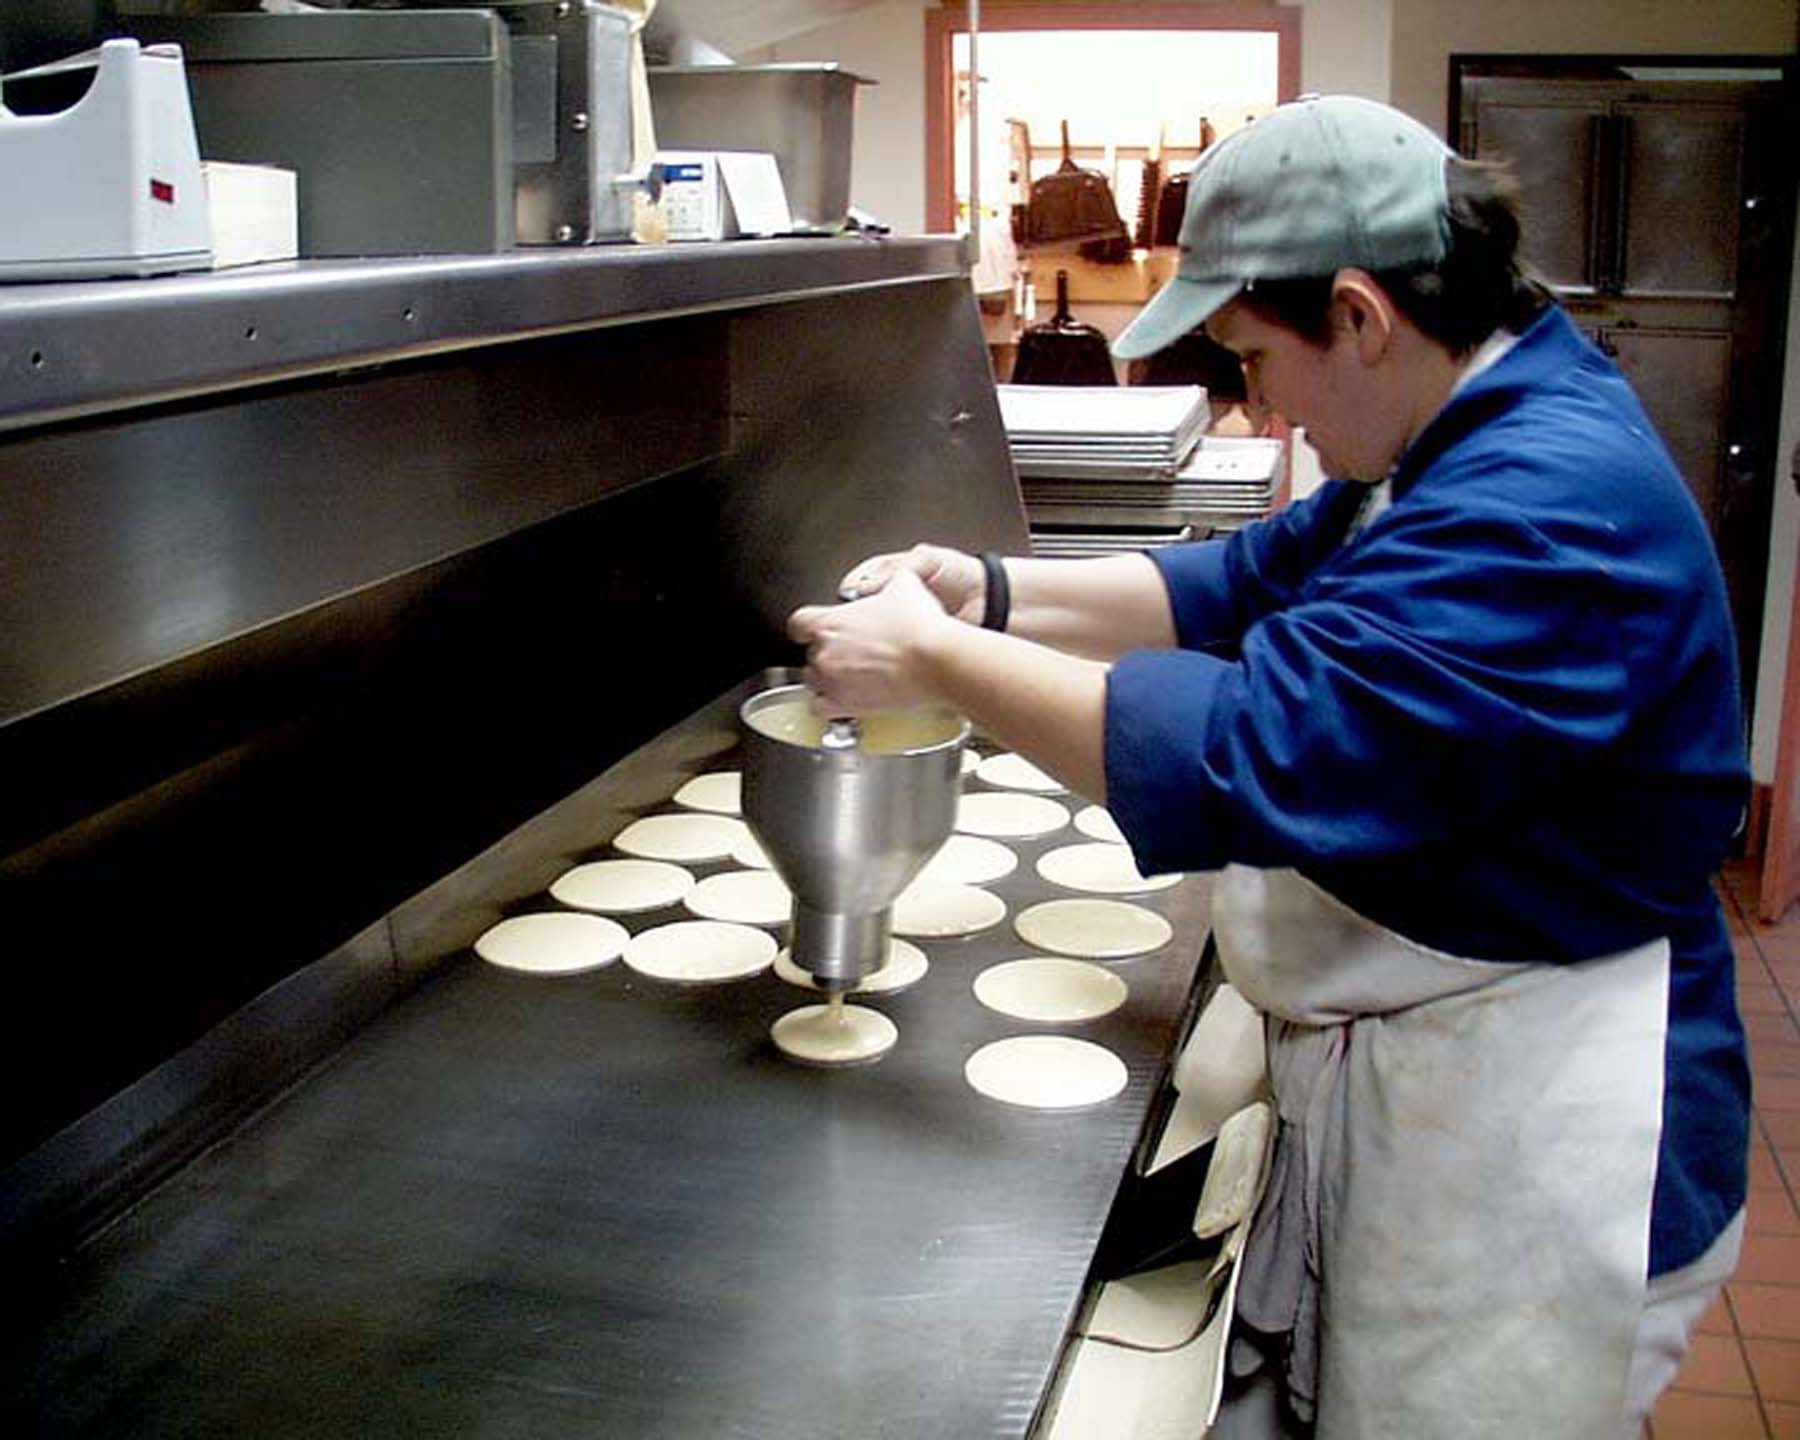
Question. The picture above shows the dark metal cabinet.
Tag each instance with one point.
(1631, 190)
(1552, 145)
(1684, 376)
(1679, 190)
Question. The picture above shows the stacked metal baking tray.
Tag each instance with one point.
(1104, 470)
(1129, 434)
(1226, 482)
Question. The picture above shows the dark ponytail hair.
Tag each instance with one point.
(1481, 285)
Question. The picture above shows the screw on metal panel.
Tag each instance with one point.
(564, 234)
(407, 314)
(580, 121)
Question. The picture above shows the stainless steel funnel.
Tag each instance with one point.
(847, 827)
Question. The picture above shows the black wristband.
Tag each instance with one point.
(997, 606)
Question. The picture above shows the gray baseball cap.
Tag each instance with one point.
(1314, 186)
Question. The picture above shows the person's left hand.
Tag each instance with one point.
(871, 654)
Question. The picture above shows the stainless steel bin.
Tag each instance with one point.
(803, 114)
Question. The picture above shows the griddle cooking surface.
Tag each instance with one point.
(600, 1205)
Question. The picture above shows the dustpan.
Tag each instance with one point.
(1171, 204)
(1072, 205)
(1149, 190)
(1062, 350)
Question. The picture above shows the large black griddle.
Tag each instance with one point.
(601, 1206)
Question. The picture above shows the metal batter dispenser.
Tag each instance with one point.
(847, 826)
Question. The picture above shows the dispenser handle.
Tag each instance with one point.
(842, 732)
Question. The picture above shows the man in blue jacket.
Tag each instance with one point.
(1461, 733)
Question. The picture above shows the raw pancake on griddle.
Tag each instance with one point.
(686, 837)
(744, 897)
(622, 887)
(905, 965)
(1015, 772)
(556, 942)
(1100, 869)
(719, 791)
(1046, 1072)
(1050, 991)
(937, 912)
(1009, 814)
(700, 952)
(834, 1035)
(1093, 929)
(746, 851)
(1096, 822)
(968, 860)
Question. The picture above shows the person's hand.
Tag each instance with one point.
(871, 654)
(956, 580)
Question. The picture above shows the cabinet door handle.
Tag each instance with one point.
(1619, 203)
(1597, 202)
(1607, 214)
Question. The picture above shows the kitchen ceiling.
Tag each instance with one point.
(737, 26)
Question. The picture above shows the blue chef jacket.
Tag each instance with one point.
(1501, 719)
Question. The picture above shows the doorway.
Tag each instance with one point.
(1129, 95)
(1188, 60)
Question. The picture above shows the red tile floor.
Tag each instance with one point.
(1741, 1380)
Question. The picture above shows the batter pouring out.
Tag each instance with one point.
(834, 1033)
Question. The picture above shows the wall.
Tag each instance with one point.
(884, 43)
(1784, 549)
(1346, 47)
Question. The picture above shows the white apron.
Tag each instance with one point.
(1456, 1231)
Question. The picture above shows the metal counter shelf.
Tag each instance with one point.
(71, 349)
(596, 1204)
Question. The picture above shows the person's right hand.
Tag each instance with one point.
(874, 653)
(955, 579)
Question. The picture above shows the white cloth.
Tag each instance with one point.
(1456, 1231)
(1672, 1309)
(1223, 1067)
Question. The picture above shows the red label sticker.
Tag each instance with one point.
(162, 190)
